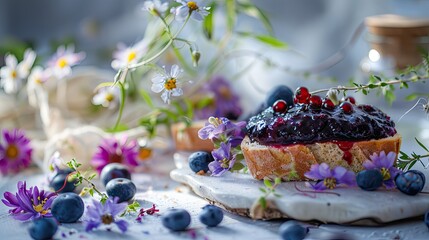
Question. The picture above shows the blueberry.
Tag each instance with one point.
(200, 161)
(67, 207)
(58, 181)
(292, 230)
(427, 219)
(43, 228)
(409, 182)
(422, 175)
(211, 215)
(122, 188)
(280, 92)
(112, 171)
(369, 180)
(176, 219)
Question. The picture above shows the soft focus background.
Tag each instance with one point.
(314, 31)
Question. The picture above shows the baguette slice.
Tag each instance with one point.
(290, 162)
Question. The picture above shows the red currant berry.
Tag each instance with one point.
(349, 99)
(328, 104)
(315, 101)
(280, 106)
(302, 95)
(347, 107)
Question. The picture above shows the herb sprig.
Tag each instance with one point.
(269, 189)
(406, 162)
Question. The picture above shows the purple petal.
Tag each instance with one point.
(23, 216)
(122, 225)
(325, 170)
(90, 225)
(10, 200)
(369, 165)
(389, 184)
(313, 173)
(319, 186)
(204, 132)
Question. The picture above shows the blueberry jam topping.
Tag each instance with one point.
(303, 124)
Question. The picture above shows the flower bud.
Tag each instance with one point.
(332, 94)
(195, 57)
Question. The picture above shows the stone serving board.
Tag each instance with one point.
(239, 193)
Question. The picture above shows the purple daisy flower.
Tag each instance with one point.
(384, 163)
(223, 160)
(29, 204)
(225, 101)
(99, 213)
(15, 151)
(112, 150)
(223, 130)
(328, 178)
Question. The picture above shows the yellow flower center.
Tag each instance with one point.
(39, 207)
(131, 56)
(330, 183)
(170, 84)
(62, 63)
(145, 153)
(12, 151)
(192, 6)
(385, 173)
(14, 74)
(38, 81)
(109, 97)
(215, 121)
(116, 158)
(225, 163)
(107, 219)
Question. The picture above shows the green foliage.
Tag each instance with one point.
(208, 22)
(248, 8)
(268, 189)
(266, 39)
(406, 162)
(131, 208)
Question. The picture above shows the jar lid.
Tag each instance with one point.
(390, 25)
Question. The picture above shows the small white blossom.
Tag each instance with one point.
(25, 66)
(155, 7)
(126, 56)
(107, 97)
(190, 7)
(65, 58)
(36, 80)
(167, 83)
(9, 75)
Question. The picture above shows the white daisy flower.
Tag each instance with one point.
(167, 83)
(25, 66)
(107, 97)
(190, 7)
(10, 80)
(36, 80)
(126, 56)
(63, 60)
(155, 7)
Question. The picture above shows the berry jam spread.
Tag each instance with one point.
(304, 124)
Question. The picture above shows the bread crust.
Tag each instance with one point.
(290, 162)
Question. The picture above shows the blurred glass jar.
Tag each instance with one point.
(396, 42)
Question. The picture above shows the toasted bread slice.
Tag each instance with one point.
(290, 162)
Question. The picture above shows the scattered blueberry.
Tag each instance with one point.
(211, 215)
(292, 230)
(369, 180)
(43, 228)
(122, 188)
(427, 219)
(280, 92)
(67, 207)
(58, 181)
(176, 219)
(409, 182)
(200, 161)
(112, 171)
(422, 175)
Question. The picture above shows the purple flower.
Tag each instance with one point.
(384, 163)
(328, 178)
(193, 8)
(223, 160)
(100, 213)
(29, 204)
(223, 130)
(224, 102)
(15, 151)
(112, 150)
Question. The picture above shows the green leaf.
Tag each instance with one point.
(262, 190)
(263, 202)
(268, 183)
(411, 97)
(146, 97)
(120, 128)
(237, 166)
(91, 191)
(266, 39)
(231, 14)
(122, 105)
(208, 22)
(253, 11)
(422, 145)
(411, 164)
(390, 97)
(277, 195)
(92, 176)
(277, 180)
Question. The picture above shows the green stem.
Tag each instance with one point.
(121, 107)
